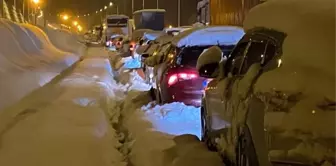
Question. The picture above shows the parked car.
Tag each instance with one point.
(154, 49)
(175, 73)
(176, 30)
(272, 102)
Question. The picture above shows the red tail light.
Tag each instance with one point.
(174, 78)
(132, 46)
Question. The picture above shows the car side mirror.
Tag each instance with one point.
(145, 55)
(208, 62)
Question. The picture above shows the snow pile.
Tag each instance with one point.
(306, 77)
(174, 118)
(65, 40)
(65, 124)
(151, 131)
(28, 61)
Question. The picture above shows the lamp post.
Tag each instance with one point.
(36, 2)
(179, 12)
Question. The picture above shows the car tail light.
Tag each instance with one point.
(132, 46)
(174, 78)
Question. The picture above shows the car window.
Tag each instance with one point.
(235, 59)
(255, 54)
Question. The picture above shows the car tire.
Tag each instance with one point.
(205, 134)
(245, 150)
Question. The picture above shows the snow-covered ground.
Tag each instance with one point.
(87, 118)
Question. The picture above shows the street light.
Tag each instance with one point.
(79, 28)
(96, 11)
(105, 7)
(75, 23)
(65, 17)
(36, 1)
(111, 4)
(101, 10)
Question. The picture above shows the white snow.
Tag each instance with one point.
(153, 35)
(149, 10)
(212, 55)
(174, 118)
(164, 39)
(29, 60)
(206, 36)
(137, 34)
(308, 67)
(65, 123)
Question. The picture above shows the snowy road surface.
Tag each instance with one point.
(86, 118)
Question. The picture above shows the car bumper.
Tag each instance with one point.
(192, 97)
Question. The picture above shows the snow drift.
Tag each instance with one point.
(28, 60)
(66, 123)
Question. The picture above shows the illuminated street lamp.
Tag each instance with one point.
(101, 10)
(105, 7)
(96, 11)
(75, 23)
(36, 1)
(79, 28)
(65, 17)
(111, 4)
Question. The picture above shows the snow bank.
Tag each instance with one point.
(174, 118)
(151, 132)
(65, 40)
(27, 61)
(65, 124)
(307, 73)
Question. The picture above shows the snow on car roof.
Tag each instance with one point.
(153, 35)
(177, 28)
(149, 10)
(139, 33)
(206, 36)
(164, 39)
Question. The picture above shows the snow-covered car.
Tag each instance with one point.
(115, 42)
(176, 30)
(154, 49)
(273, 100)
(175, 71)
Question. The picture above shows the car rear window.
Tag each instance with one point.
(117, 22)
(188, 56)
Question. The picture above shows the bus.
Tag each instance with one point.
(116, 24)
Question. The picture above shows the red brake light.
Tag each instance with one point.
(180, 77)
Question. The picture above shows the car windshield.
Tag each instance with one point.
(188, 56)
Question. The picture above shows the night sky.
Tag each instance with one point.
(81, 7)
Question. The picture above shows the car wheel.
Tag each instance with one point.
(245, 151)
(205, 134)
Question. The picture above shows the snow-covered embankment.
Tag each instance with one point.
(29, 58)
(66, 123)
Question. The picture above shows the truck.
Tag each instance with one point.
(224, 12)
(116, 24)
(149, 19)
